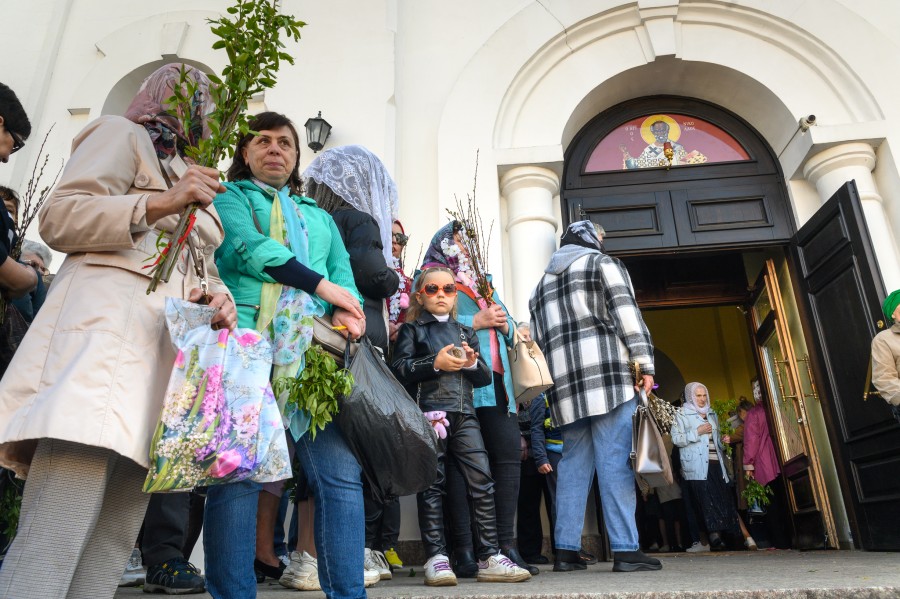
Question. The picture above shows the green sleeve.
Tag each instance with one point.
(254, 251)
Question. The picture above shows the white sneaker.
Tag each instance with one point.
(375, 560)
(370, 577)
(438, 572)
(302, 573)
(285, 559)
(499, 568)
(135, 572)
(697, 547)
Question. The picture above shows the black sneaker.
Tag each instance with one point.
(174, 577)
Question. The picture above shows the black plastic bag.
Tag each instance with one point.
(388, 434)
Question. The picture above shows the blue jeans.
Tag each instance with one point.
(229, 539)
(335, 479)
(602, 443)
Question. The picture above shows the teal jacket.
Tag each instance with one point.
(467, 309)
(245, 253)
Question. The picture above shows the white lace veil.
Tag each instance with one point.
(360, 179)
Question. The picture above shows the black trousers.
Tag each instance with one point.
(168, 531)
(382, 522)
(464, 442)
(501, 434)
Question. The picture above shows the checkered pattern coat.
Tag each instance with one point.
(585, 319)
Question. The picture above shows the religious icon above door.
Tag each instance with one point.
(664, 140)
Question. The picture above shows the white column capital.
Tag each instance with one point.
(854, 155)
(531, 177)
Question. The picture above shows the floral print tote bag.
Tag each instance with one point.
(219, 422)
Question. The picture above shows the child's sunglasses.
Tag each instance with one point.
(431, 289)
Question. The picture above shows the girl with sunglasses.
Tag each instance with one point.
(437, 359)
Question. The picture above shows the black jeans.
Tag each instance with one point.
(382, 522)
(171, 526)
(465, 444)
(528, 525)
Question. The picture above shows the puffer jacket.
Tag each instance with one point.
(417, 346)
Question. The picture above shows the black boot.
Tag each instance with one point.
(567, 560)
(513, 554)
(464, 564)
(634, 561)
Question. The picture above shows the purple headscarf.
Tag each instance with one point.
(150, 109)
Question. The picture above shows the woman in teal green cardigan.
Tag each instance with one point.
(284, 262)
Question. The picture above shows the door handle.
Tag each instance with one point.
(809, 374)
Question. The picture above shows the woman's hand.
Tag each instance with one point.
(545, 468)
(393, 329)
(199, 185)
(339, 297)
(471, 355)
(445, 361)
(704, 429)
(226, 314)
(646, 383)
(492, 317)
(355, 327)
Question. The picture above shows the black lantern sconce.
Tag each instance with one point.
(317, 132)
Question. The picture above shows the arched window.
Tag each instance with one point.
(665, 172)
(645, 141)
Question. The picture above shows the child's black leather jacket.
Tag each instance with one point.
(417, 346)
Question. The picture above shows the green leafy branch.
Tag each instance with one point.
(253, 38)
(316, 388)
(757, 493)
(724, 408)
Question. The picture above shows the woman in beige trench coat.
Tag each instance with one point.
(80, 400)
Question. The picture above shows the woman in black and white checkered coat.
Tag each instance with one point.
(586, 320)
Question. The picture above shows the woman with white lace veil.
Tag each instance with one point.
(354, 186)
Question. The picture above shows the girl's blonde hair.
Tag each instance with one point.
(415, 308)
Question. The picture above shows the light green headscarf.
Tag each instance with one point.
(890, 304)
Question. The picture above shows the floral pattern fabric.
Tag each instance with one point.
(399, 302)
(220, 422)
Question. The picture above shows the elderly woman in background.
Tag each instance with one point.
(696, 432)
(282, 254)
(37, 256)
(82, 397)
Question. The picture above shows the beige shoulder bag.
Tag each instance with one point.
(530, 374)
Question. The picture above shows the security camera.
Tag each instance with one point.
(806, 122)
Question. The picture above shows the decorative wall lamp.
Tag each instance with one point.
(317, 132)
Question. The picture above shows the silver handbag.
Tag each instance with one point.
(649, 458)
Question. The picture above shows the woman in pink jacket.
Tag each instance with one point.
(761, 463)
